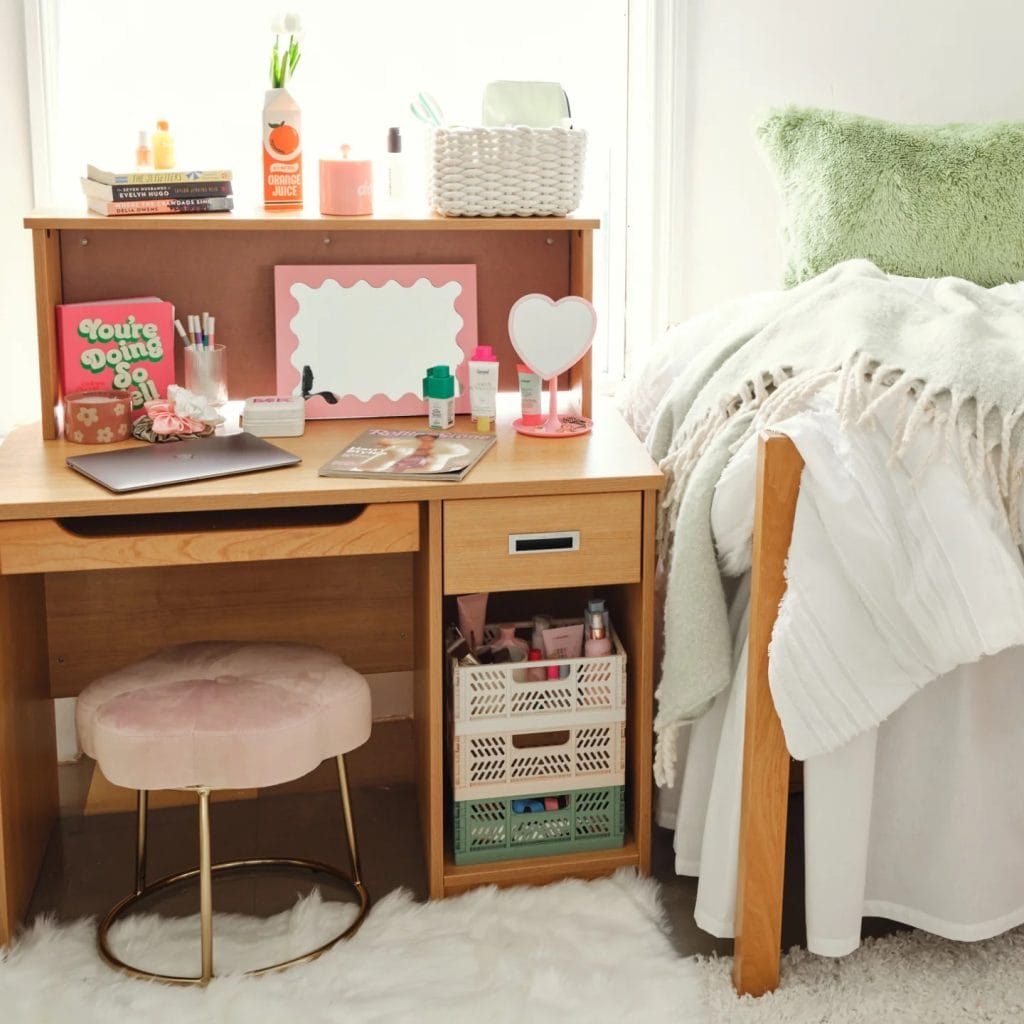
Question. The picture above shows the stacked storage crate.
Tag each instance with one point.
(521, 743)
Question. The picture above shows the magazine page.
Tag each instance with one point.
(425, 454)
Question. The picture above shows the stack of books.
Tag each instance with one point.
(116, 194)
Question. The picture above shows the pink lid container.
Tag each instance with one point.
(346, 186)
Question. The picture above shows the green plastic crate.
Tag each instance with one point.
(489, 830)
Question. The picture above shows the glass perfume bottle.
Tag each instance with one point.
(597, 641)
(507, 640)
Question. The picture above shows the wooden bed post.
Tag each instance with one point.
(763, 804)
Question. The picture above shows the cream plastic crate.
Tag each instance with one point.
(508, 764)
(488, 698)
(522, 172)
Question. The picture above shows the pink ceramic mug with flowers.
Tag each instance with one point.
(98, 417)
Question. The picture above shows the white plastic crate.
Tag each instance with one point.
(507, 764)
(488, 698)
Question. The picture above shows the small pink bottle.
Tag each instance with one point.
(534, 675)
(597, 641)
(518, 649)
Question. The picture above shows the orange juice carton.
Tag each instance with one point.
(282, 150)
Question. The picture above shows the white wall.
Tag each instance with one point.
(19, 392)
(910, 60)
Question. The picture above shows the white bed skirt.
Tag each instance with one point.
(919, 821)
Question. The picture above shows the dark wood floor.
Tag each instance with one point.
(90, 860)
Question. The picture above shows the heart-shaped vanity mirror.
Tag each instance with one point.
(549, 337)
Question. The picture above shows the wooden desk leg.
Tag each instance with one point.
(428, 693)
(28, 747)
(763, 806)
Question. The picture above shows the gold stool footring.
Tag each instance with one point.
(118, 909)
(205, 873)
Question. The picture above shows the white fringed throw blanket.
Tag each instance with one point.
(951, 356)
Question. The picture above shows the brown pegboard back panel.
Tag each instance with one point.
(231, 274)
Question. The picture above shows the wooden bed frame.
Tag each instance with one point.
(765, 789)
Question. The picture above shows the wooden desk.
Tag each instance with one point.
(91, 580)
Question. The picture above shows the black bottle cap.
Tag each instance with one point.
(394, 140)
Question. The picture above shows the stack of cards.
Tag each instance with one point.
(274, 415)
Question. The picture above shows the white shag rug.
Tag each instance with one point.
(572, 951)
(587, 952)
(907, 978)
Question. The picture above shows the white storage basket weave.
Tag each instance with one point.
(490, 172)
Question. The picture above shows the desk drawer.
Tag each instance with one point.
(572, 540)
(248, 535)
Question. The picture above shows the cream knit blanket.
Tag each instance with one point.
(955, 356)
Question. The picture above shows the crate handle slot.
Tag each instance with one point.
(526, 740)
(540, 543)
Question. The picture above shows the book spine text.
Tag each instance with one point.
(113, 209)
(172, 190)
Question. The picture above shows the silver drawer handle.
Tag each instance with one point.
(541, 543)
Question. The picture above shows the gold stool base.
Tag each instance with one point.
(169, 880)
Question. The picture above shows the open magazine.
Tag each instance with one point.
(409, 455)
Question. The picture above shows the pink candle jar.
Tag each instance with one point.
(346, 186)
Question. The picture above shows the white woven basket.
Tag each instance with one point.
(506, 172)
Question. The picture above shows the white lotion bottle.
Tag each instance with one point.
(483, 388)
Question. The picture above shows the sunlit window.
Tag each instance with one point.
(204, 67)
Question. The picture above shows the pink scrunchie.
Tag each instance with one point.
(167, 421)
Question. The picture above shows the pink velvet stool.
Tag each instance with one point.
(208, 716)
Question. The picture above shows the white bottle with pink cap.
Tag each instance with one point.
(483, 388)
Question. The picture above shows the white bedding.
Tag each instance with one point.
(899, 572)
(945, 352)
(920, 820)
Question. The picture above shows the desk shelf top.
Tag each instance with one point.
(259, 219)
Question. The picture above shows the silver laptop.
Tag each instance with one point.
(180, 462)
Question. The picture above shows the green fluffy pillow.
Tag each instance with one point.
(919, 200)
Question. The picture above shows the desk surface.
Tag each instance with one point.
(35, 483)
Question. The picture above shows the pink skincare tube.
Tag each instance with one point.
(529, 394)
(472, 615)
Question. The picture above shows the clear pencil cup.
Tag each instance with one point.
(206, 373)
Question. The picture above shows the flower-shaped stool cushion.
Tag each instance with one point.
(223, 715)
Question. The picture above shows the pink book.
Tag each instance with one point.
(126, 344)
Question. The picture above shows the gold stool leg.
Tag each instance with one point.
(205, 886)
(205, 873)
(350, 831)
(141, 814)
